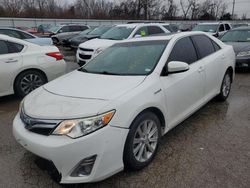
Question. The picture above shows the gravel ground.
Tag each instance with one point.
(210, 149)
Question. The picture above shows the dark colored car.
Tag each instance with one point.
(96, 33)
(239, 38)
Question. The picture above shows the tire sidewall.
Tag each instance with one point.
(130, 162)
(17, 84)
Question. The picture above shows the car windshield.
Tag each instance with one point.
(118, 33)
(237, 36)
(87, 31)
(54, 29)
(131, 58)
(99, 31)
(206, 28)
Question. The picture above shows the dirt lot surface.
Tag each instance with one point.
(210, 149)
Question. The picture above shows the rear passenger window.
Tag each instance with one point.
(10, 47)
(3, 47)
(227, 27)
(152, 30)
(221, 28)
(204, 45)
(216, 46)
(183, 51)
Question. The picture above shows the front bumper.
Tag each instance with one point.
(66, 153)
(242, 62)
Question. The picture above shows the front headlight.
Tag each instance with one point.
(80, 127)
(243, 54)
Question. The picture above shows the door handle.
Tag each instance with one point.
(11, 61)
(201, 69)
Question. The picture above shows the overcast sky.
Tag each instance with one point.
(241, 6)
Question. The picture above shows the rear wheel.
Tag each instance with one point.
(225, 87)
(28, 81)
(142, 141)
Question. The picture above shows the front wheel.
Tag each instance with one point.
(225, 87)
(142, 141)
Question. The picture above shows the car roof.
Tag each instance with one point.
(212, 23)
(12, 39)
(15, 29)
(165, 37)
(243, 28)
(132, 25)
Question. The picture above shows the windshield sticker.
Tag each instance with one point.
(143, 33)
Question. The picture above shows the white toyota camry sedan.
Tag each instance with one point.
(124, 101)
(25, 66)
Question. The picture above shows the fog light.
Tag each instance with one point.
(84, 168)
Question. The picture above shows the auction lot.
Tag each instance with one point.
(210, 149)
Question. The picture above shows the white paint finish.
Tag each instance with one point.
(31, 57)
(177, 96)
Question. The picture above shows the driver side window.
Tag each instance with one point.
(183, 51)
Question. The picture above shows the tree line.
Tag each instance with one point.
(123, 9)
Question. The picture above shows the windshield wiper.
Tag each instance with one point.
(108, 73)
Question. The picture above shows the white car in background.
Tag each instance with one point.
(25, 66)
(89, 49)
(124, 101)
(19, 34)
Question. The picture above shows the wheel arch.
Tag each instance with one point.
(157, 112)
(231, 70)
(30, 69)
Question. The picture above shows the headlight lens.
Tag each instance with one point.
(81, 127)
(243, 54)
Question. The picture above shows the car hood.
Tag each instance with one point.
(98, 43)
(239, 46)
(77, 95)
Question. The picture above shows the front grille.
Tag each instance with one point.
(85, 56)
(39, 126)
(87, 50)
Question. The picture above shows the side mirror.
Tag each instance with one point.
(177, 67)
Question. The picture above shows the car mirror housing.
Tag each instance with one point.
(177, 67)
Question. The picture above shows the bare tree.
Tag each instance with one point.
(185, 7)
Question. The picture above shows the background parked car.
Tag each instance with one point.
(216, 29)
(173, 28)
(239, 38)
(81, 38)
(64, 31)
(25, 66)
(66, 42)
(235, 25)
(16, 33)
(89, 49)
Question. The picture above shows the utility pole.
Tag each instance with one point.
(233, 9)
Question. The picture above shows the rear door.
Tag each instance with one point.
(212, 56)
(10, 63)
(184, 92)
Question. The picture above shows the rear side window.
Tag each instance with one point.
(3, 47)
(204, 45)
(221, 28)
(65, 29)
(82, 28)
(10, 47)
(227, 27)
(183, 51)
(14, 47)
(152, 30)
(25, 35)
(216, 46)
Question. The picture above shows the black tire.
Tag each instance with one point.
(129, 158)
(38, 77)
(224, 92)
